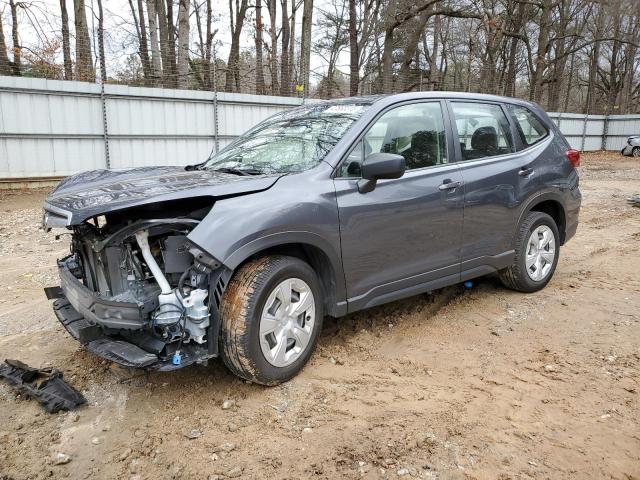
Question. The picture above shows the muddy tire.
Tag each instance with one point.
(271, 315)
(537, 250)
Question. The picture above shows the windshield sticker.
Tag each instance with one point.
(345, 109)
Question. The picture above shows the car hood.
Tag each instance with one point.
(97, 192)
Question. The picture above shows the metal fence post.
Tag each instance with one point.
(215, 102)
(105, 127)
(584, 131)
(605, 132)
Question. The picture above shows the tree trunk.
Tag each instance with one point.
(273, 61)
(410, 50)
(590, 106)
(144, 49)
(354, 54)
(66, 44)
(516, 14)
(84, 60)
(292, 43)
(103, 62)
(305, 45)
(285, 81)
(232, 81)
(535, 89)
(626, 101)
(156, 66)
(183, 44)
(569, 83)
(434, 71)
(17, 49)
(5, 65)
(209, 45)
(167, 42)
(259, 48)
(388, 45)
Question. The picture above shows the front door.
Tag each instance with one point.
(406, 233)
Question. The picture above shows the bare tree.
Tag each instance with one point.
(66, 44)
(273, 49)
(17, 49)
(156, 66)
(84, 60)
(103, 63)
(5, 64)
(260, 88)
(354, 66)
(237, 17)
(305, 44)
(183, 44)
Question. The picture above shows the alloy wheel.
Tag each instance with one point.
(540, 253)
(287, 321)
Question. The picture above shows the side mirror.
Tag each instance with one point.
(380, 166)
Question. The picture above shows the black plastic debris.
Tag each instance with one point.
(46, 385)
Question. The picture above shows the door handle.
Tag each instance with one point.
(449, 185)
(525, 172)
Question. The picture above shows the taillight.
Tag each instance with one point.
(574, 157)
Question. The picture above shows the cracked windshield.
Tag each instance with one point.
(290, 142)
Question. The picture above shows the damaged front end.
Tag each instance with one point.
(139, 293)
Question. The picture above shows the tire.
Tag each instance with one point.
(635, 152)
(243, 345)
(518, 277)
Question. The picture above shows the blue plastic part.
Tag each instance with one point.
(177, 358)
(468, 284)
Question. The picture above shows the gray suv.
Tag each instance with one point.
(325, 209)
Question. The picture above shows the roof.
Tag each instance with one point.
(395, 97)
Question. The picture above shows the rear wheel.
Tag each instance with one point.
(271, 316)
(537, 249)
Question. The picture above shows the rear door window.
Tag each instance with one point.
(529, 126)
(483, 130)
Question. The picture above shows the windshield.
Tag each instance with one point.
(289, 142)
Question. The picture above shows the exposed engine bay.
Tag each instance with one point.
(140, 285)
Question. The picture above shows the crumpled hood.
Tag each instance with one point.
(96, 192)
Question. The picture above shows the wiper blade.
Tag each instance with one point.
(239, 171)
(190, 168)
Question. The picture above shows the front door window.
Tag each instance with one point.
(414, 131)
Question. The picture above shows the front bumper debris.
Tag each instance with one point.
(46, 385)
(118, 349)
(99, 310)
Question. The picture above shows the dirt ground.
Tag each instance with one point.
(479, 384)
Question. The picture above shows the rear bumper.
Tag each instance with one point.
(627, 151)
(572, 213)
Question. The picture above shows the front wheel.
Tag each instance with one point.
(537, 250)
(636, 152)
(271, 316)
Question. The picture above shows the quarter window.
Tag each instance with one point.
(483, 130)
(414, 131)
(530, 128)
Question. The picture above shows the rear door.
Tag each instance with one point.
(493, 173)
(407, 231)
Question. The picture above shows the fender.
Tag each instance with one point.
(239, 227)
(301, 238)
(541, 196)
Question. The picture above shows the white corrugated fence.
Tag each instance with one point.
(51, 128)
